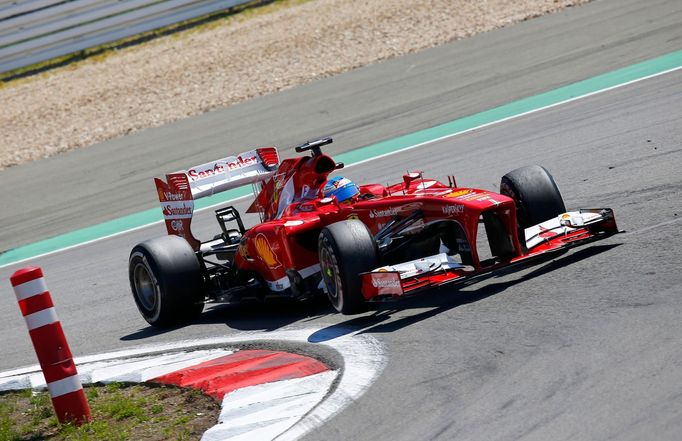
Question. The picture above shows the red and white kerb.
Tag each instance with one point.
(50, 345)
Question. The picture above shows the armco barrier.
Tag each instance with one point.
(50, 345)
(32, 31)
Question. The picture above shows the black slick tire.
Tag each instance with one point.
(346, 249)
(165, 278)
(536, 195)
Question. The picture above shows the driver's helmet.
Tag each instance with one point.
(342, 188)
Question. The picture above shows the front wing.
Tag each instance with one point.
(554, 235)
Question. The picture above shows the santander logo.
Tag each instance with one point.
(385, 283)
(177, 209)
(391, 211)
(170, 210)
(214, 168)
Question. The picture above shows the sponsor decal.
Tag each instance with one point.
(458, 193)
(177, 210)
(178, 180)
(165, 196)
(383, 213)
(265, 252)
(177, 225)
(196, 174)
(453, 209)
(471, 196)
(385, 283)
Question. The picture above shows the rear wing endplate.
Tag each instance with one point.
(181, 188)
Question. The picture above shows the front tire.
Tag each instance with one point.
(346, 249)
(165, 278)
(536, 195)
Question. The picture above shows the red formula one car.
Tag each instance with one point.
(374, 243)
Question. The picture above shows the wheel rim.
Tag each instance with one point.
(145, 288)
(328, 272)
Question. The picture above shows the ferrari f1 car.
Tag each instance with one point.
(381, 243)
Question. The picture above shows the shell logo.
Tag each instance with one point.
(457, 193)
(265, 252)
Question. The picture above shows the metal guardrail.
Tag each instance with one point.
(33, 31)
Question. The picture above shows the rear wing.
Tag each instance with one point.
(181, 188)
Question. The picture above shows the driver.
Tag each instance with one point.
(342, 188)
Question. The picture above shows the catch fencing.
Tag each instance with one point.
(33, 31)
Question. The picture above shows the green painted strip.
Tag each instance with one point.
(586, 87)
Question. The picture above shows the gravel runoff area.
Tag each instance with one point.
(283, 45)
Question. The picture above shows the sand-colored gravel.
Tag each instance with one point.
(207, 68)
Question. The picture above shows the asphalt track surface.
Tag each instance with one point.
(585, 346)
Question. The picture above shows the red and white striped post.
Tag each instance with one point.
(49, 341)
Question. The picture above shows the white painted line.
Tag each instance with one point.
(64, 386)
(30, 288)
(38, 319)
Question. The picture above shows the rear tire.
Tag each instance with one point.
(346, 249)
(536, 195)
(165, 278)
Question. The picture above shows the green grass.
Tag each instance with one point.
(7, 432)
(119, 412)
